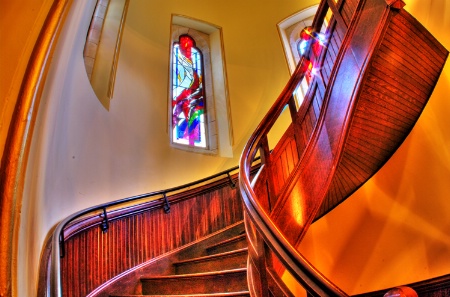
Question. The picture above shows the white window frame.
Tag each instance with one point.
(289, 30)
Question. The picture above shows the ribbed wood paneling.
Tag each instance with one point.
(93, 257)
(261, 189)
(374, 83)
(286, 154)
(284, 158)
(403, 72)
(306, 123)
(347, 9)
(331, 52)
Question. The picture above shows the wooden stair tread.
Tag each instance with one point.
(192, 275)
(211, 257)
(227, 241)
(227, 294)
(223, 281)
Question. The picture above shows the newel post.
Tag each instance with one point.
(266, 161)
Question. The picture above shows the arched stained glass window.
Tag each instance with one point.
(188, 95)
(199, 116)
(290, 31)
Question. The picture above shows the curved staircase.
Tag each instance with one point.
(373, 77)
(215, 266)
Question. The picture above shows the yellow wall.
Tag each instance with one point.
(20, 23)
(396, 228)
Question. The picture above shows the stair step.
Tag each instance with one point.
(234, 243)
(226, 261)
(230, 294)
(226, 281)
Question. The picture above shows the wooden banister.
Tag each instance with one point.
(354, 100)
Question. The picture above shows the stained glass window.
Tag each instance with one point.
(310, 43)
(188, 96)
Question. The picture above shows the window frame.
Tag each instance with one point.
(289, 30)
(203, 123)
(209, 40)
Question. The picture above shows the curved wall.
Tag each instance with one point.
(83, 155)
(19, 41)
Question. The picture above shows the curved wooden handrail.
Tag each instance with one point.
(304, 272)
(317, 163)
(300, 268)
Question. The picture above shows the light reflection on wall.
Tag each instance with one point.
(297, 206)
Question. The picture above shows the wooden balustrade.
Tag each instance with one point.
(373, 80)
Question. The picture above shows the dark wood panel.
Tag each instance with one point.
(277, 177)
(387, 98)
(411, 31)
(283, 160)
(331, 52)
(379, 88)
(389, 52)
(394, 92)
(397, 78)
(347, 9)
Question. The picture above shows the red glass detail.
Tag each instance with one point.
(306, 33)
(186, 44)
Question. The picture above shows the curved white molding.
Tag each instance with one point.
(303, 18)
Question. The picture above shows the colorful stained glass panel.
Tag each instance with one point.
(188, 101)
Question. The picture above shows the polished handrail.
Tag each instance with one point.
(58, 234)
(302, 270)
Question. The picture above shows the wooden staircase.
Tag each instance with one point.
(374, 76)
(212, 267)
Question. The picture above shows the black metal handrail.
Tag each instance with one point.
(58, 250)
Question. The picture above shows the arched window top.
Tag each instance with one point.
(187, 46)
(188, 95)
(293, 31)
